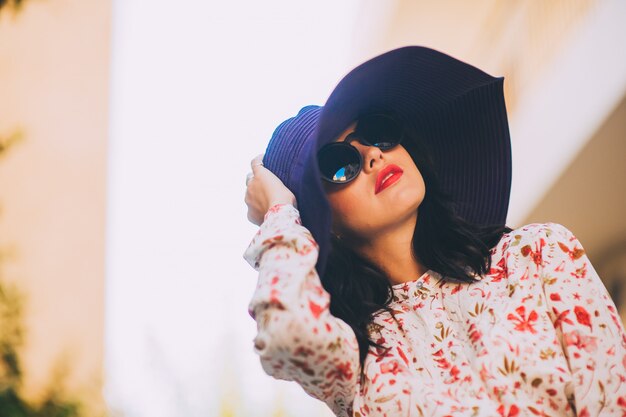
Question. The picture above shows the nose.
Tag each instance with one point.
(372, 156)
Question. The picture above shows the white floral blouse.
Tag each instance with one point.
(537, 336)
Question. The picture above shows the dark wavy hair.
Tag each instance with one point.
(443, 242)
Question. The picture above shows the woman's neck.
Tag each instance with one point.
(392, 251)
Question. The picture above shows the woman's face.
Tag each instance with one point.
(361, 208)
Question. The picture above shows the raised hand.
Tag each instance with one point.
(264, 190)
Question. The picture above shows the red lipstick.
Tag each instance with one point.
(387, 176)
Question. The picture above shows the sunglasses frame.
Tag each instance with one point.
(346, 145)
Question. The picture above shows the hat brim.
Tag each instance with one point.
(459, 112)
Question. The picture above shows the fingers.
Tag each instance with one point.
(256, 162)
(249, 176)
(255, 215)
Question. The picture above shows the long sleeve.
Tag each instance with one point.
(298, 339)
(584, 315)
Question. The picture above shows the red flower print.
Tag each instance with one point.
(303, 366)
(455, 371)
(391, 366)
(573, 253)
(316, 309)
(482, 292)
(342, 372)
(582, 342)
(499, 271)
(523, 323)
(321, 352)
(454, 375)
(582, 316)
(275, 208)
(560, 267)
(383, 352)
(621, 401)
(561, 318)
(418, 306)
(535, 255)
(580, 272)
(617, 321)
(513, 411)
(591, 364)
(303, 351)
(485, 374)
(306, 249)
(402, 355)
(524, 275)
(274, 297)
(474, 333)
(272, 241)
(443, 362)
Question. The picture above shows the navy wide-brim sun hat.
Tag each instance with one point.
(458, 110)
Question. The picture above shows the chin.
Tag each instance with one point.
(406, 203)
(409, 196)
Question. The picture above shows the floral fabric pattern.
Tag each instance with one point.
(537, 336)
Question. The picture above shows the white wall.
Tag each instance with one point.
(197, 89)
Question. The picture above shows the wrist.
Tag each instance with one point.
(282, 200)
(278, 203)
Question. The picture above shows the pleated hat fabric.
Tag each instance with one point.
(457, 111)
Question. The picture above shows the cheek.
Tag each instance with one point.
(416, 191)
(346, 207)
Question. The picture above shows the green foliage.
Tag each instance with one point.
(15, 4)
(55, 402)
(7, 141)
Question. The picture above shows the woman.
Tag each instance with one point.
(395, 287)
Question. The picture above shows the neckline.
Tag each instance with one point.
(423, 279)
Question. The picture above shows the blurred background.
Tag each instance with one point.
(126, 131)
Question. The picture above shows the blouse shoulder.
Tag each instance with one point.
(542, 244)
(534, 232)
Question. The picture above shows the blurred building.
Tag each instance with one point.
(565, 88)
(565, 83)
(54, 81)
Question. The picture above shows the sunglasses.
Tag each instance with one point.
(340, 162)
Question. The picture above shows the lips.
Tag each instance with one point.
(387, 176)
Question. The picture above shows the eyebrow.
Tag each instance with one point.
(350, 137)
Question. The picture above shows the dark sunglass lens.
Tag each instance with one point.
(380, 130)
(346, 173)
(339, 163)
